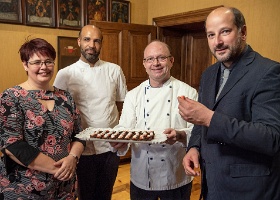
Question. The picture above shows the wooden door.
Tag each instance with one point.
(191, 54)
(185, 35)
(198, 57)
(124, 45)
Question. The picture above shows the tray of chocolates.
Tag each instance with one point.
(122, 135)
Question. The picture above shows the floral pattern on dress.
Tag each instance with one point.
(24, 118)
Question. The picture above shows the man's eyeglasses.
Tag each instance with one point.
(160, 59)
(39, 63)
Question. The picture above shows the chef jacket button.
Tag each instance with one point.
(163, 145)
(148, 114)
(167, 114)
(168, 100)
(148, 128)
(170, 86)
(147, 100)
(151, 158)
(162, 159)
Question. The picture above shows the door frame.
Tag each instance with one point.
(186, 18)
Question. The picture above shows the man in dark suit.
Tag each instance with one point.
(236, 137)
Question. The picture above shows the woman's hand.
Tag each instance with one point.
(67, 168)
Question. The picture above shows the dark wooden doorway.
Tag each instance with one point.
(185, 34)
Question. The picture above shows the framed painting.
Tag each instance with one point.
(68, 51)
(120, 11)
(10, 11)
(70, 14)
(96, 10)
(40, 13)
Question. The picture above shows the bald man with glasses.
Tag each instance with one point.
(156, 169)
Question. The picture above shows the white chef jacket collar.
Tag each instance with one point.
(84, 64)
(164, 84)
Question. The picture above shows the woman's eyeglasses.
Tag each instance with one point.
(39, 63)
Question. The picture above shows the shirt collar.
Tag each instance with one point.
(84, 64)
(164, 84)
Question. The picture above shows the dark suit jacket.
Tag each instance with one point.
(240, 149)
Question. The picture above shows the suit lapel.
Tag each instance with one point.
(210, 86)
(234, 77)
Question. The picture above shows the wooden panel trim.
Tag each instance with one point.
(184, 18)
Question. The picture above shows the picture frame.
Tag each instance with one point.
(68, 51)
(11, 11)
(120, 11)
(70, 14)
(40, 13)
(96, 10)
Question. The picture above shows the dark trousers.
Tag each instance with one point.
(181, 193)
(96, 176)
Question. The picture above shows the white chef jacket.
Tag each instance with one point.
(157, 166)
(95, 91)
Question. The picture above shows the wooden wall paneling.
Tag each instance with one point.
(138, 40)
(124, 45)
(112, 41)
(135, 40)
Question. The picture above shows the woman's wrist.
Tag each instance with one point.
(75, 156)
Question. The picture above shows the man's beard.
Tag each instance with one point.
(234, 52)
(91, 58)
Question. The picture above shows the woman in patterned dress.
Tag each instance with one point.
(38, 124)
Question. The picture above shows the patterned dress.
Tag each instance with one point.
(27, 128)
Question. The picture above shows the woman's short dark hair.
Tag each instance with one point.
(34, 46)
